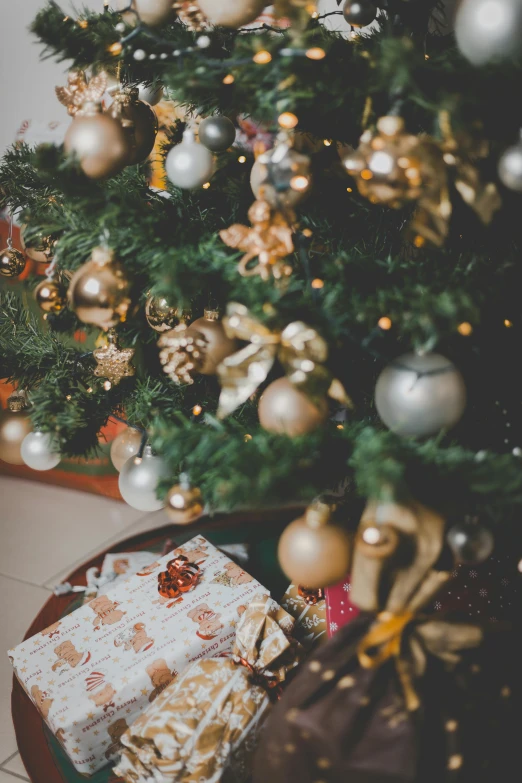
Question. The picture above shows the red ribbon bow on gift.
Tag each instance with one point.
(180, 577)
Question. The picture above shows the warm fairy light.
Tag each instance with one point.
(419, 241)
(45, 316)
(307, 232)
(138, 460)
(465, 329)
(366, 174)
(315, 53)
(89, 390)
(317, 283)
(349, 190)
(384, 323)
(327, 142)
(206, 186)
(115, 48)
(83, 23)
(299, 182)
(65, 19)
(314, 14)
(229, 79)
(426, 57)
(507, 323)
(248, 437)
(68, 397)
(242, 159)
(196, 410)
(262, 58)
(340, 426)
(107, 385)
(287, 120)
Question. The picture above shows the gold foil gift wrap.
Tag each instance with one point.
(310, 618)
(399, 695)
(203, 727)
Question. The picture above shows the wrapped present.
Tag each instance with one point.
(93, 672)
(340, 609)
(308, 608)
(400, 694)
(204, 725)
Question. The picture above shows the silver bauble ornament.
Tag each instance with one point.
(99, 143)
(39, 451)
(510, 167)
(489, 29)
(359, 13)
(231, 13)
(139, 479)
(420, 394)
(189, 164)
(470, 542)
(217, 133)
(149, 93)
(124, 446)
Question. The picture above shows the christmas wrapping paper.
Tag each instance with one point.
(310, 628)
(93, 672)
(339, 608)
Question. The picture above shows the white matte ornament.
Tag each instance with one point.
(510, 168)
(189, 164)
(139, 479)
(231, 13)
(489, 29)
(419, 395)
(38, 451)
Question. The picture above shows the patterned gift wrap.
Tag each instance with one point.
(93, 672)
(310, 617)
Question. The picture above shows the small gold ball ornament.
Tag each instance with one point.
(160, 314)
(15, 424)
(217, 344)
(184, 503)
(138, 121)
(41, 248)
(99, 291)
(312, 552)
(50, 296)
(12, 262)
(231, 13)
(151, 12)
(286, 410)
(99, 142)
(124, 446)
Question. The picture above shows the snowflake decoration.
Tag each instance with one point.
(483, 592)
(438, 606)
(473, 574)
(504, 582)
(347, 587)
(334, 627)
(455, 573)
(492, 619)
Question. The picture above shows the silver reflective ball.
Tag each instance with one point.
(139, 479)
(489, 29)
(150, 94)
(470, 543)
(217, 133)
(39, 452)
(510, 168)
(189, 165)
(420, 395)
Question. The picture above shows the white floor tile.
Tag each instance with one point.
(19, 606)
(43, 529)
(16, 766)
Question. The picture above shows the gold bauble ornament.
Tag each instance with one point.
(12, 262)
(50, 296)
(139, 122)
(312, 552)
(197, 349)
(151, 12)
(231, 13)
(160, 314)
(99, 291)
(124, 446)
(286, 410)
(99, 142)
(184, 503)
(15, 424)
(41, 249)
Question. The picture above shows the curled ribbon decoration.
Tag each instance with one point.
(310, 597)
(180, 577)
(299, 348)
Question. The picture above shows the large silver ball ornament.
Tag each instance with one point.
(139, 479)
(189, 165)
(420, 395)
(510, 168)
(489, 29)
(39, 451)
(217, 133)
(148, 93)
(470, 542)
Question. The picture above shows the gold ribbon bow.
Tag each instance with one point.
(299, 348)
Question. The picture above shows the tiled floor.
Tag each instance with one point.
(44, 533)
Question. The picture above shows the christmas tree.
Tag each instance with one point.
(321, 297)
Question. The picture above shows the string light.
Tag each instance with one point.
(115, 49)
(107, 385)
(196, 410)
(307, 232)
(327, 143)
(465, 329)
(89, 390)
(262, 58)
(315, 14)
(299, 182)
(315, 53)
(340, 426)
(507, 323)
(229, 79)
(349, 190)
(206, 186)
(384, 323)
(287, 120)
(68, 397)
(248, 437)
(242, 159)
(83, 23)
(419, 241)
(317, 283)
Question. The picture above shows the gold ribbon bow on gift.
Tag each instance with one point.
(299, 348)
